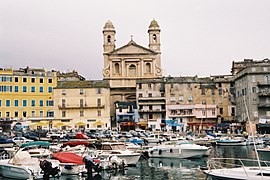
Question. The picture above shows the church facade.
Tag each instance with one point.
(125, 65)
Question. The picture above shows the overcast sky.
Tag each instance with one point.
(198, 37)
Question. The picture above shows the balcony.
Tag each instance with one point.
(265, 93)
(263, 105)
(155, 98)
(85, 106)
(181, 115)
(152, 110)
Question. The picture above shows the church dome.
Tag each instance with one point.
(154, 24)
(108, 25)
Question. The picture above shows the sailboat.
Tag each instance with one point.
(232, 168)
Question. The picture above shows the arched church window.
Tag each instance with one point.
(117, 68)
(148, 68)
(154, 38)
(132, 70)
(109, 39)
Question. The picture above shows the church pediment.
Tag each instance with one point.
(132, 48)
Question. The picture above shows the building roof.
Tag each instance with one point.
(82, 84)
(154, 24)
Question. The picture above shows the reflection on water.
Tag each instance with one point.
(162, 168)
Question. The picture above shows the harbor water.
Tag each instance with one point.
(170, 168)
(165, 168)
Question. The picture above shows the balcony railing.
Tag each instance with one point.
(152, 110)
(85, 106)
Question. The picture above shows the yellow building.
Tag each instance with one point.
(82, 104)
(26, 94)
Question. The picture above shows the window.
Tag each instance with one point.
(41, 89)
(81, 91)
(203, 91)
(33, 80)
(212, 92)
(181, 98)
(24, 79)
(7, 114)
(63, 103)
(254, 89)
(149, 94)
(50, 103)
(150, 107)
(33, 89)
(149, 86)
(50, 113)
(220, 91)
(221, 110)
(140, 86)
(0, 103)
(81, 102)
(140, 95)
(16, 79)
(98, 90)
(24, 103)
(33, 113)
(109, 39)
(190, 98)
(7, 103)
(24, 89)
(16, 89)
(33, 103)
(63, 113)
(99, 102)
(172, 99)
(16, 114)
(24, 113)
(132, 70)
(40, 103)
(154, 38)
(50, 89)
(16, 103)
(41, 80)
(40, 113)
(99, 112)
(81, 114)
(49, 80)
(147, 68)
(213, 112)
(117, 68)
(150, 116)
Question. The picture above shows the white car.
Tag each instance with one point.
(21, 140)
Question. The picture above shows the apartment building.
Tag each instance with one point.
(82, 104)
(26, 94)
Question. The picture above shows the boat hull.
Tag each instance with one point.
(231, 143)
(19, 172)
(177, 153)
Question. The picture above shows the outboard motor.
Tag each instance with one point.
(90, 165)
(48, 170)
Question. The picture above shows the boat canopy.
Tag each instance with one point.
(36, 143)
(68, 157)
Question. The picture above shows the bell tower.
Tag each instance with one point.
(109, 37)
(154, 36)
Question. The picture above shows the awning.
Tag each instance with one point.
(203, 124)
(176, 124)
(144, 123)
(98, 123)
(60, 124)
(41, 123)
(80, 124)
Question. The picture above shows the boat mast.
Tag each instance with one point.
(255, 148)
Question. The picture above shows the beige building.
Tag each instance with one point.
(151, 103)
(190, 103)
(125, 65)
(82, 104)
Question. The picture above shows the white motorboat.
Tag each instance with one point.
(118, 149)
(23, 166)
(231, 168)
(227, 141)
(178, 150)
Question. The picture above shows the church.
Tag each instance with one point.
(125, 65)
